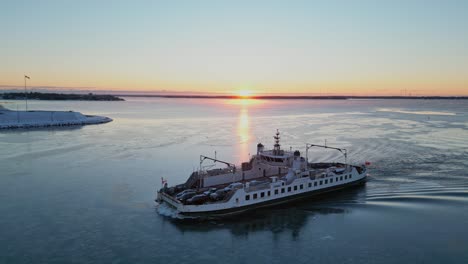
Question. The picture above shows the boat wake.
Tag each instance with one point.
(167, 211)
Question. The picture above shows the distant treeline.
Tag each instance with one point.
(60, 96)
(292, 97)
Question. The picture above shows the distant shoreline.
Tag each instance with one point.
(118, 97)
(293, 97)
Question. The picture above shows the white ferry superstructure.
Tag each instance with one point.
(271, 177)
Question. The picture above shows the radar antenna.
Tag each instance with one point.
(276, 149)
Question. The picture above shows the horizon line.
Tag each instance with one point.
(164, 92)
(284, 97)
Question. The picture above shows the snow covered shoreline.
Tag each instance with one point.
(36, 119)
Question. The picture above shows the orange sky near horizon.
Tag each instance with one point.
(429, 87)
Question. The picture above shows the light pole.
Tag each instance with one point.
(25, 94)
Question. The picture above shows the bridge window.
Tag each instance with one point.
(268, 193)
(282, 190)
(301, 186)
(331, 180)
(336, 179)
(289, 188)
(346, 177)
(315, 183)
(326, 181)
(247, 197)
(310, 184)
(321, 182)
(262, 194)
(255, 196)
(341, 178)
(350, 176)
(295, 188)
(276, 191)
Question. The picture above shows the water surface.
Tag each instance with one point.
(85, 195)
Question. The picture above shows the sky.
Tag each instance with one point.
(286, 47)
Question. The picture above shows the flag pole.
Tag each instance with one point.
(25, 94)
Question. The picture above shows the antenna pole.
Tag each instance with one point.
(25, 94)
(346, 159)
(199, 171)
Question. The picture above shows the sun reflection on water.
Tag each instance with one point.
(243, 131)
(244, 102)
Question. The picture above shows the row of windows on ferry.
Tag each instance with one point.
(271, 159)
(295, 188)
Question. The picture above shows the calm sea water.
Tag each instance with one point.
(85, 194)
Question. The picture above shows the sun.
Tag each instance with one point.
(245, 93)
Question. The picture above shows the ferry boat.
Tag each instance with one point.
(271, 177)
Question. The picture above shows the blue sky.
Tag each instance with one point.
(357, 47)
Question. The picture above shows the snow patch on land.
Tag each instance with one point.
(31, 119)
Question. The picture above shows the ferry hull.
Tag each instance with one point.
(275, 202)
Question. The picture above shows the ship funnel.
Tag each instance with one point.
(259, 148)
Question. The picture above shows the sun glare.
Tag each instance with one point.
(245, 94)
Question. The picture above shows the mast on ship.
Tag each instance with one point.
(276, 149)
